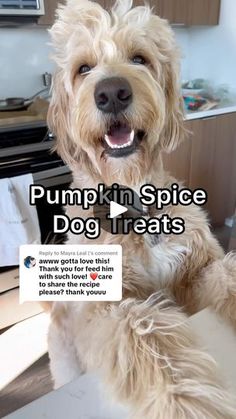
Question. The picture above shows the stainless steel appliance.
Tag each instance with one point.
(22, 8)
(26, 148)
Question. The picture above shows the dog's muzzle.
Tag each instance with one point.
(112, 97)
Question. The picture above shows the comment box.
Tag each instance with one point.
(70, 273)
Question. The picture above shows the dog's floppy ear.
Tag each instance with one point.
(168, 54)
(58, 119)
(174, 131)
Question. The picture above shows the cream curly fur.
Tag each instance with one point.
(143, 348)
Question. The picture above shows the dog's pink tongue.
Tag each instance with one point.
(119, 135)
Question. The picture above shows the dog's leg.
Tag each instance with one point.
(64, 362)
(150, 360)
(216, 287)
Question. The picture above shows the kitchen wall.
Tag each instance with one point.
(24, 57)
(212, 50)
(207, 52)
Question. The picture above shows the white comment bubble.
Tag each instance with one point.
(70, 273)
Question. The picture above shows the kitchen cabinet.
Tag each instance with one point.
(178, 162)
(189, 12)
(50, 9)
(185, 12)
(208, 160)
(180, 12)
(203, 12)
(176, 11)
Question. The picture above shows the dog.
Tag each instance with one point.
(116, 107)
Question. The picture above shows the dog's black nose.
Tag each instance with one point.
(113, 95)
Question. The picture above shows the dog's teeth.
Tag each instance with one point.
(115, 146)
(107, 140)
(132, 136)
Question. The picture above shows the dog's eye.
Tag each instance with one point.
(84, 69)
(138, 59)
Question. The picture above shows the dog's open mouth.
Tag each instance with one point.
(121, 140)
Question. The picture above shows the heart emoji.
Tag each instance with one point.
(94, 276)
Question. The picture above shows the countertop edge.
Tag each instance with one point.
(209, 114)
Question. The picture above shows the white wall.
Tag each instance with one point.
(208, 52)
(24, 57)
(212, 50)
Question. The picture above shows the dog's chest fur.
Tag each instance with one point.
(148, 261)
(154, 262)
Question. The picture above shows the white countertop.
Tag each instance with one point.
(209, 114)
(85, 398)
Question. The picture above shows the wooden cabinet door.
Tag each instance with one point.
(203, 12)
(208, 161)
(175, 11)
(50, 8)
(181, 12)
(189, 12)
(177, 163)
(213, 164)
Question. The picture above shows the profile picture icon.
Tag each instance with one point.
(29, 262)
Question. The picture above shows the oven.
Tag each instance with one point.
(22, 8)
(27, 148)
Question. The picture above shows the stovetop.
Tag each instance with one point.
(27, 148)
(12, 136)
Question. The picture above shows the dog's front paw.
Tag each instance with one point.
(220, 283)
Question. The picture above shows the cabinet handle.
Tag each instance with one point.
(178, 24)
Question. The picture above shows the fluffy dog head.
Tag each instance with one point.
(116, 98)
